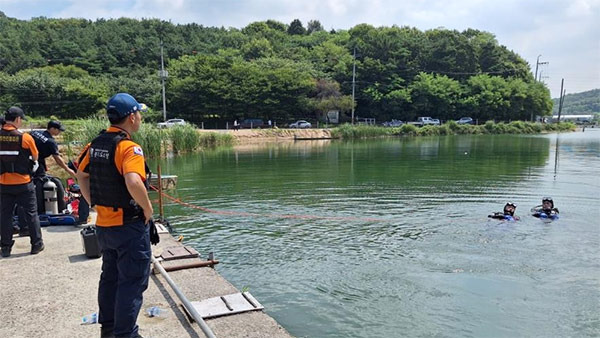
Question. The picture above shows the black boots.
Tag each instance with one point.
(6, 249)
(35, 249)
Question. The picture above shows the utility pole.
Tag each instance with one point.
(542, 77)
(562, 98)
(163, 75)
(353, 82)
(537, 63)
(535, 79)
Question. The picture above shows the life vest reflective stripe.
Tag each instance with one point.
(13, 157)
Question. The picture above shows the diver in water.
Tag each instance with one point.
(546, 210)
(508, 213)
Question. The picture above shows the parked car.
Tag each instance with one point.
(252, 123)
(301, 124)
(428, 120)
(465, 120)
(392, 123)
(172, 122)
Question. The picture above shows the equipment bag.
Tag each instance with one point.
(44, 220)
(62, 219)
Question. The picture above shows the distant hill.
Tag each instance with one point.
(580, 103)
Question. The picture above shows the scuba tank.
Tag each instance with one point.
(50, 197)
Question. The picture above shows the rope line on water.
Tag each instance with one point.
(242, 213)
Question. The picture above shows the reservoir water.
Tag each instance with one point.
(390, 238)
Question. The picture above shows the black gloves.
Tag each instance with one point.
(154, 238)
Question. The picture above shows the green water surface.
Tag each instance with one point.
(390, 237)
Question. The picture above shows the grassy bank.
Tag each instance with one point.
(155, 142)
(348, 131)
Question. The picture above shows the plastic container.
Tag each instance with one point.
(156, 311)
(89, 319)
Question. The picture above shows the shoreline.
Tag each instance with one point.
(244, 136)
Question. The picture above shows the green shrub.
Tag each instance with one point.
(408, 129)
(566, 126)
(184, 138)
(445, 129)
(537, 127)
(453, 125)
(428, 130)
(499, 128)
(348, 131)
(479, 129)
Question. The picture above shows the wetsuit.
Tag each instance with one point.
(546, 214)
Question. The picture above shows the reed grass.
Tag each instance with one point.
(184, 138)
(213, 140)
(90, 128)
(349, 131)
(150, 139)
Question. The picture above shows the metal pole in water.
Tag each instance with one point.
(353, 81)
(188, 306)
(562, 98)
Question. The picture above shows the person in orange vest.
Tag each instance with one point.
(17, 157)
(112, 176)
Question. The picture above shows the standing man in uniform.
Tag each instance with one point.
(17, 155)
(111, 175)
(47, 146)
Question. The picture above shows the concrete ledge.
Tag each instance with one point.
(46, 295)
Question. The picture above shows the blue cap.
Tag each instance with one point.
(122, 105)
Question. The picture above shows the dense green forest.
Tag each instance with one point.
(580, 103)
(271, 70)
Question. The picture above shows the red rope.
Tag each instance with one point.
(240, 213)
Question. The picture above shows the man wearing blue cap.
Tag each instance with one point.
(112, 174)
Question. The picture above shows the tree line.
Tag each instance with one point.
(268, 69)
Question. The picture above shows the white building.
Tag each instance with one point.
(587, 118)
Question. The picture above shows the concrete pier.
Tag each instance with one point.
(47, 294)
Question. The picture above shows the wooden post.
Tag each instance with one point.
(158, 172)
(160, 201)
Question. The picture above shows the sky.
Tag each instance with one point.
(566, 33)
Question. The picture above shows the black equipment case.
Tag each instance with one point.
(89, 238)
